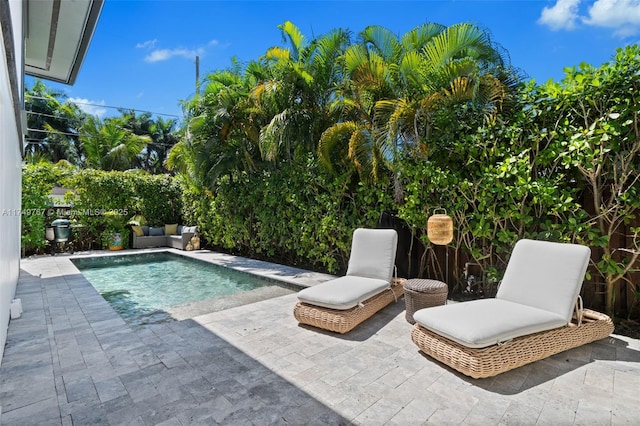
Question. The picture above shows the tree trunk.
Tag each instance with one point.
(610, 300)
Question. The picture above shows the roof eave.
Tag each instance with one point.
(83, 42)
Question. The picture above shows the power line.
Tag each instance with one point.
(107, 106)
(55, 132)
(59, 132)
(32, 141)
(42, 114)
(62, 118)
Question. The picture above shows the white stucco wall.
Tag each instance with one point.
(10, 175)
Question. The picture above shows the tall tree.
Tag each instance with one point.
(163, 137)
(109, 146)
(592, 118)
(52, 125)
(367, 79)
(459, 65)
(221, 135)
(396, 85)
(297, 96)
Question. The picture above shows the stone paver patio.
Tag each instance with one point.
(71, 359)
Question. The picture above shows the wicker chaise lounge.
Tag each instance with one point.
(341, 304)
(534, 315)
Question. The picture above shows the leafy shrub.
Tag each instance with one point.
(94, 196)
(96, 192)
(295, 215)
(37, 182)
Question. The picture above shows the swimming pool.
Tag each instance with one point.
(158, 287)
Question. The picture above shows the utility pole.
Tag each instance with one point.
(197, 75)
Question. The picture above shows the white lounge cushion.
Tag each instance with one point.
(342, 293)
(545, 275)
(373, 253)
(486, 322)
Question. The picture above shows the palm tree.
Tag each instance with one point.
(161, 132)
(221, 137)
(52, 124)
(247, 117)
(395, 85)
(109, 146)
(297, 95)
(458, 65)
(350, 140)
(163, 138)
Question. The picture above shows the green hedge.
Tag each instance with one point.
(156, 197)
(295, 215)
(101, 202)
(37, 182)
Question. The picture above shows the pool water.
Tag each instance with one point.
(145, 288)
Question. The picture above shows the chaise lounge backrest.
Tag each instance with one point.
(373, 253)
(554, 287)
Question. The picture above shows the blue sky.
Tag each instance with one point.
(142, 53)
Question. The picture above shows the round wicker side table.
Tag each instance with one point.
(420, 294)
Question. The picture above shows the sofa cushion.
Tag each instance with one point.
(154, 232)
(554, 287)
(373, 253)
(486, 322)
(342, 293)
(145, 230)
(137, 230)
(179, 230)
(171, 229)
(189, 229)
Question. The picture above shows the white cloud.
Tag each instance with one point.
(165, 54)
(621, 15)
(563, 15)
(158, 55)
(149, 44)
(90, 107)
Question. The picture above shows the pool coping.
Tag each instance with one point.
(297, 277)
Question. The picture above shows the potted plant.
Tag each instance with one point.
(113, 235)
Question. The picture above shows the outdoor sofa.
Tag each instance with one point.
(176, 236)
(340, 304)
(536, 313)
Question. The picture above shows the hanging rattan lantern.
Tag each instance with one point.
(440, 228)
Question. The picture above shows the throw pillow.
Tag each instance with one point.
(171, 229)
(138, 230)
(156, 232)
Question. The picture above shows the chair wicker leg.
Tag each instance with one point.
(343, 321)
(496, 359)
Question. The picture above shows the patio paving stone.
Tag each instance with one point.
(71, 359)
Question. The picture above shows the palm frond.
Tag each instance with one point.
(415, 39)
(296, 39)
(411, 67)
(384, 42)
(277, 53)
(458, 41)
(271, 136)
(333, 137)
